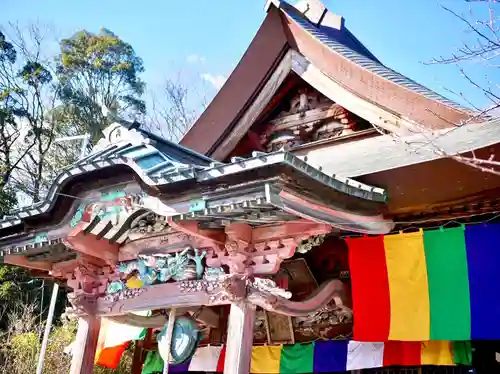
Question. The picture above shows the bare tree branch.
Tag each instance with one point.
(176, 109)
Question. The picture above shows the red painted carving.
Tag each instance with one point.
(261, 250)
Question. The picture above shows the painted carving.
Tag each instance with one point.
(261, 250)
(148, 270)
(268, 286)
(110, 204)
(233, 287)
(212, 274)
(332, 314)
(82, 304)
(227, 288)
(147, 223)
(328, 291)
(126, 293)
(311, 242)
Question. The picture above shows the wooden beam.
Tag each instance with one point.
(325, 112)
(85, 345)
(350, 101)
(19, 260)
(381, 153)
(160, 296)
(255, 109)
(290, 229)
(191, 228)
(239, 338)
(90, 245)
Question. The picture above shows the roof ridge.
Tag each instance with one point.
(373, 66)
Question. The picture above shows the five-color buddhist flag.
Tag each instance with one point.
(113, 340)
(333, 356)
(432, 285)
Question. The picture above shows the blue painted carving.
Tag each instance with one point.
(161, 268)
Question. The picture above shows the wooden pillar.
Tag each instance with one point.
(239, 338)
(138, 357)
(85, 345)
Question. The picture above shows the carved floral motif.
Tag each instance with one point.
(127, 293)
(233, 287)
(226, 288)
(309, 243)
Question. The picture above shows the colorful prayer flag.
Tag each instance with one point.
(336, 356)
(432, 285)
(205, 359)
(113, 340)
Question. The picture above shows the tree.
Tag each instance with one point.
(26, 97)
(481, 47)
(177, 106)
(95, 70)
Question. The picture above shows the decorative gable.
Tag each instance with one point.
(298, 114)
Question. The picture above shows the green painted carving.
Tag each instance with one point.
(161, 268)
(42, 237)
(197, 258)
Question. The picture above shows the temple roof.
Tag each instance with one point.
(343, 42)
(319, 39)
(151, 157)
(173, 176)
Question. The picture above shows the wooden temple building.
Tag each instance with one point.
(241, 227)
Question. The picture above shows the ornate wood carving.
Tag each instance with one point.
(328, 291)
(261, 250)
(311, 117)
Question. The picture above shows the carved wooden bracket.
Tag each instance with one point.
(88, 276)
(261, 250)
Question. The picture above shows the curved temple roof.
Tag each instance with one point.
(357, 53)
(339, 57)
(176, 171)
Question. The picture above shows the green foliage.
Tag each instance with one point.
(98, 69)
(34, 73)
(7, 200)
(8, 53)
(19, 352)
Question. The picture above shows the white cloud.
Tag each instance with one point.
(216, 80)
(196, 59)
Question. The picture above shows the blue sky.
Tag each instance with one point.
(208, 38)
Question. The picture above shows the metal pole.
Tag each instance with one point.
(48, 326)
(170, 330)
